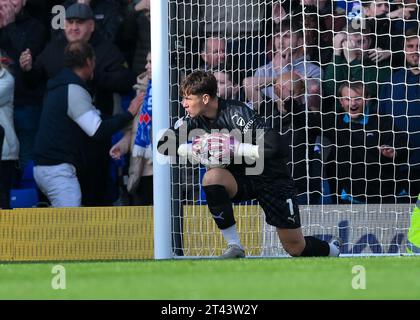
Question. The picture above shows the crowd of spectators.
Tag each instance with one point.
(33, 59)
(340, 78)
(350, 70)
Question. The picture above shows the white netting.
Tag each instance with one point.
(341, 80)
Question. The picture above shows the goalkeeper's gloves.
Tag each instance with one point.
(223, 145)
(218, 146)
(197, 149)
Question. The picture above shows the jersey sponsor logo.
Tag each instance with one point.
(248, 125)
(239, 121)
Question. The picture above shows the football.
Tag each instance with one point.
(212, 150)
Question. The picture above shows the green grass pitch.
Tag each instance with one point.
(272, 279)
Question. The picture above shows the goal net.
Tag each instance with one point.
(340, 80)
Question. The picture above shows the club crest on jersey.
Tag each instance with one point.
(239, 121)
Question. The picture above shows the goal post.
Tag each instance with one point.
(160, 121)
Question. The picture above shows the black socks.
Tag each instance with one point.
(220, 205)
(315, 248)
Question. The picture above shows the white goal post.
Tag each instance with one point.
(160, 121)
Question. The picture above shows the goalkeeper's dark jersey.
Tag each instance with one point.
(234, 115)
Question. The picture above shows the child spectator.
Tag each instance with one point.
(138, 141)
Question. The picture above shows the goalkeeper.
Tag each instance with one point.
(227, 179)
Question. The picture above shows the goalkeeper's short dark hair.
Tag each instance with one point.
(199, 82)
(77, 53)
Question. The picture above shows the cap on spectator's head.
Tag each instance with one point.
(79, 11)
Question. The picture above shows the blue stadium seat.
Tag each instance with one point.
(27, 181)
(28, 171)
(23, 198)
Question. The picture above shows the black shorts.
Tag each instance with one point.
(277, 199)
